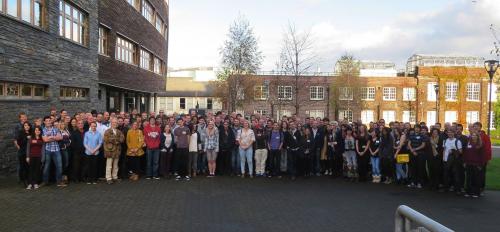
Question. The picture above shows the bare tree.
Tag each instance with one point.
(347, 86)
(240, 56)
(297, 56)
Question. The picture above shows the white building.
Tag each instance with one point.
(442, 61)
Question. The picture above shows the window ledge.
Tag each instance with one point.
(73, 42)
(74, 100)
(3, 99)
(41, 29)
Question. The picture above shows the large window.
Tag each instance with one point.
(11, 90)
(492, 120)
(261, 112)
(389, 115)
(317, 93)
(134, 3)
(389, 94)
(147, 11)
(103, 40)
(409, 116)
(451, 91)
(367, 116)
(473, 90)
(157, 66)
(261, 92)
(431, 92)
(125, 50)
(210, 103)
(145, 59)
(182, 103)
(345, 115)
(73, 93)
(285, 92)
(471, 117)
(30, 11)
(345, 93)
(72, 23)
(409, 94)
(159, 24)
(431, 118)
(493, 93)
(367, 93)
(450, 116)
(317, 113)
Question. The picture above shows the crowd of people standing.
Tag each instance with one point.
(91, 146)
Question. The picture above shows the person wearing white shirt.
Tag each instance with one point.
(246, 138)
(452, 153)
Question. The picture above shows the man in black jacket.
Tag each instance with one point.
(77, 150)
(318, 137)
(293, 140)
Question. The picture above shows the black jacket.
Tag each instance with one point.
(226, 142)
(76, 146)
(319, 139)
(295, 140)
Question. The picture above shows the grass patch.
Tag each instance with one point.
(493, 174)
(495, 142)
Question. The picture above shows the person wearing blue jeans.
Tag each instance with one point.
(152, 134)
(51, 137)
(153, 162)
(374, 155)
(246, 138)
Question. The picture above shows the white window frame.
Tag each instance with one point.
(285, 92)
(367, 116)
(431, 93)
(389, 115)
(409, 116)
(345, 93)
(262, 112)
(262, 90)
(146, 59)
(125, 50)
(316, 113)
(474, 92)
(147, 11)
(492, 120)
(472, 117)
(316, 93)
(450, 116)
(493, 94)
(367, 93)
(389, 94)
(451, 91)
(431, 117)
(409, 94)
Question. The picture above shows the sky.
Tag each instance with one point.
(388, 30)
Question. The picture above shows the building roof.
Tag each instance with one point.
(187, 87)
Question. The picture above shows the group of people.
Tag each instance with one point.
(89, 146)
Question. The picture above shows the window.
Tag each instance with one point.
(134, 3)
(367, 116)
(159, 24)
(473, 90)
(451, 91)
(493, 93)
(261, 112)
(72, 23)
(103, 40)
(317, 92)
(170, 104)
(471, 117)
(145, 59)
(431, 118)
(285, 92)
(73, 93)
(281, 113)
(409, 94)
(157, 66)
(367, 93)
(345, 115)
(431, 91)
(450, 116)
(261, 92)
(147, 11)
(125, 50)
(210, 103)
(317, 113)
(10, 90)
(345, 93)
(389, 94)
(492, 120)
(29, 11)
(389, 115)
(409, 116)
(182, 103)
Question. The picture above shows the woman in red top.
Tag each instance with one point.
(474, 159)
(33, 158)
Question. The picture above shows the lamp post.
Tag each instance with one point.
(491, 67)
(436, 89)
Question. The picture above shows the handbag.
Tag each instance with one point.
(402, 158)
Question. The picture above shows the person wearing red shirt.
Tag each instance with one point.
(152, 139)
(485, 139)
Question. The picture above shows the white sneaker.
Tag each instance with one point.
(36, 186)
(29, 187)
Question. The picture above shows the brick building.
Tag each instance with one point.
(462, 96)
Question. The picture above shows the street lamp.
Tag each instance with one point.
(436, 89)
(491, 67)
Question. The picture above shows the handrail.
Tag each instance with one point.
(406, 218)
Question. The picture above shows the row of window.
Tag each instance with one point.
(29, 11)
(13, 90)
(183, 105)
(126, 51)
(149, 13)
(261, 92)
(451, 91)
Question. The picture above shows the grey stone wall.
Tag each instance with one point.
(40, 56)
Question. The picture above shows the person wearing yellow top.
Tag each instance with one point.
(135, 143)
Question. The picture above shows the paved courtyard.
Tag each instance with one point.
(233, 204)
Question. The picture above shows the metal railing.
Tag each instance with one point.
(407, 219)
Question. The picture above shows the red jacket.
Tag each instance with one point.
(486, 145)
(152, 137)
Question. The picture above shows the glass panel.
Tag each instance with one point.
(12, 90)
(67, 28)
(67, 9)
(1, 84)
(61, 92)
(75, 32)
(1, 5)
(39, 91)
(12, 7)
(37, 12)
(26, 91)
(26, 10)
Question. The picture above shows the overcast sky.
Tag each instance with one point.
(390, 30)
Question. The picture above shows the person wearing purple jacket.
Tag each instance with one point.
(275, 142)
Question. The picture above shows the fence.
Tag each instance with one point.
(407, 219)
